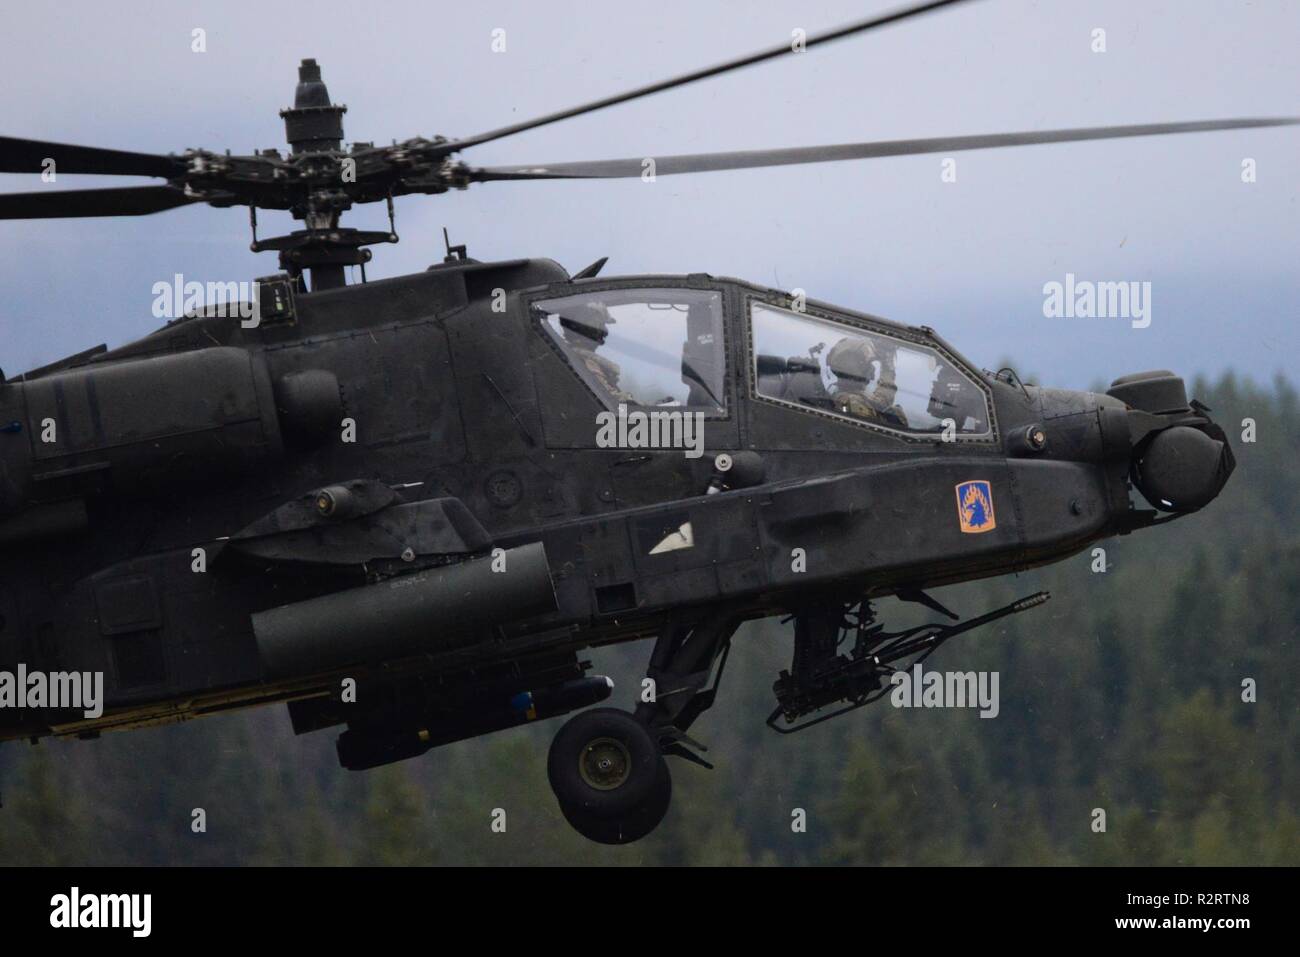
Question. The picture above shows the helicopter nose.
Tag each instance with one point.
(1180, 459)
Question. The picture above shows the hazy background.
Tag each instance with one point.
(886, 236)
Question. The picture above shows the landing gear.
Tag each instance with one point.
(680, 670)
(607, 767)
(609, 776)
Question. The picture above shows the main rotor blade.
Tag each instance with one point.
(747, 159)
(120, 201)
(839, 33)
(29, 156)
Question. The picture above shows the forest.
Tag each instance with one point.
(1160, 691)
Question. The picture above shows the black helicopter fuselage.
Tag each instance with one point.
(406, 483)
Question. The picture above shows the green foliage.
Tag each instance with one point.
(1124, 694)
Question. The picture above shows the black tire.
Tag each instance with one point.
(629, 827)
(604, 763)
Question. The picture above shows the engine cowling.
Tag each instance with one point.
(138, 425)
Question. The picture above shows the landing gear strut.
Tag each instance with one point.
(607, 767)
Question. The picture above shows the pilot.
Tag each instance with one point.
(851, 360)
(586, 327)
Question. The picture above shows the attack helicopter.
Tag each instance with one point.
(406, 507)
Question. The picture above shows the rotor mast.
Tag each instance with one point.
(313, 127)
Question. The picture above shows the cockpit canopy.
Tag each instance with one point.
(645, 347)
(861, 374)
(664, 347)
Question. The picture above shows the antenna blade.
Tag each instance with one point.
(591, 271)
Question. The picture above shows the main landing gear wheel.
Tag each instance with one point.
(609, 777)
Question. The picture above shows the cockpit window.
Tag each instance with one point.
(861, 374)
(646, 347)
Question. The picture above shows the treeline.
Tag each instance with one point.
(1123, 695)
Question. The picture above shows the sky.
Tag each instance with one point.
(970, 257)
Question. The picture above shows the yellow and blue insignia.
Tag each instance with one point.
(975, 507)
(523, 703)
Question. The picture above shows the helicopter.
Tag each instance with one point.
(407, 507)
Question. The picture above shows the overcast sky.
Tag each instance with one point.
(885, 236)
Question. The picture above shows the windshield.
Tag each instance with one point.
(647, 347)
(862, 374)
